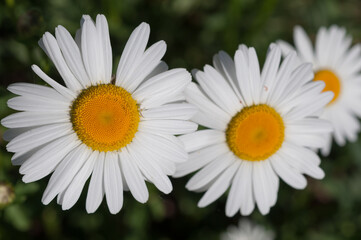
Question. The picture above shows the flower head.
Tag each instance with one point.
(120, 132)
(337, 64)
(261, 126)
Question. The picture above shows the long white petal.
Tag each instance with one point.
(173, 127)
(65, 172)
(53, 51)
(201, 139)
(72, 55)
(219, 186)
(38, 136)
(31, 119)
(133, 177)
(72, 193)
(210, 171)
(105, 46)
(113, 185)
(200, 158)
(96, 186)
(181, 111)
(132, 54)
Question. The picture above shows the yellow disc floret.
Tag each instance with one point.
(255, 133)
(331, 80)
(105, 117)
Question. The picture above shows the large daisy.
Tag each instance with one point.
(118, 130)
(339, 66)
(261, 126)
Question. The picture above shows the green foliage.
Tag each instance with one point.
(194, 30)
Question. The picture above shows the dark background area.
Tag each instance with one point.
(194, 30)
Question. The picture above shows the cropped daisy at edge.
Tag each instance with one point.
(337, 64)
(117, 129)
(261, 126)
(247, 230)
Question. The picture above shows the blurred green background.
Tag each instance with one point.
(194, 30)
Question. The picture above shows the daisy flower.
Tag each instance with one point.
(261, 126)
(247, 230)
(118, 130)
(338, 65)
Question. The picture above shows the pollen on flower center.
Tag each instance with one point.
(105, 117)
(331, 80)
(255, 133)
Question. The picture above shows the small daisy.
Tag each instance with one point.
(339, 66)
(247, 230)
(262, 125)
(120, 131)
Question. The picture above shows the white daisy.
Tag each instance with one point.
(339, 66)
(261, 125)
(247, 230)
(120, 132)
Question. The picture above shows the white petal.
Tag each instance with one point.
(307, 110)
(12, 133)
(299, 77)
(20, 157)
(307, 140)
(309, 125)
(147, 64)
(132, 54)
(92, 53)
(303, 44)
(217, 118)
(254, 76)
(241, 194)
(151, 171)
(282, 79)
(181, 111)
(30, 119)
(321, 45)
(288, 174)
(173, 127)
(162, 88)
(35, 90)
(269, 71)
(133, 177)
(225, 65)
(201, 139)
(210, 172)
(160, 68)
(306, 163)
(54, 53)
(113, 186)
(44, 161)
(200, 158)
(38, 136)
(72, 193)
(65, 92)
(243, 76)
(168, 147)
(65, 172)
(219, 186)
(37, 104)
(217, 88)
(72, 55)
(285, 47)
(105, 46)
(96, 186)
(261, 187)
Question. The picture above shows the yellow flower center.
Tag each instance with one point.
(105, 117)
(332, 82)
(255, 133)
